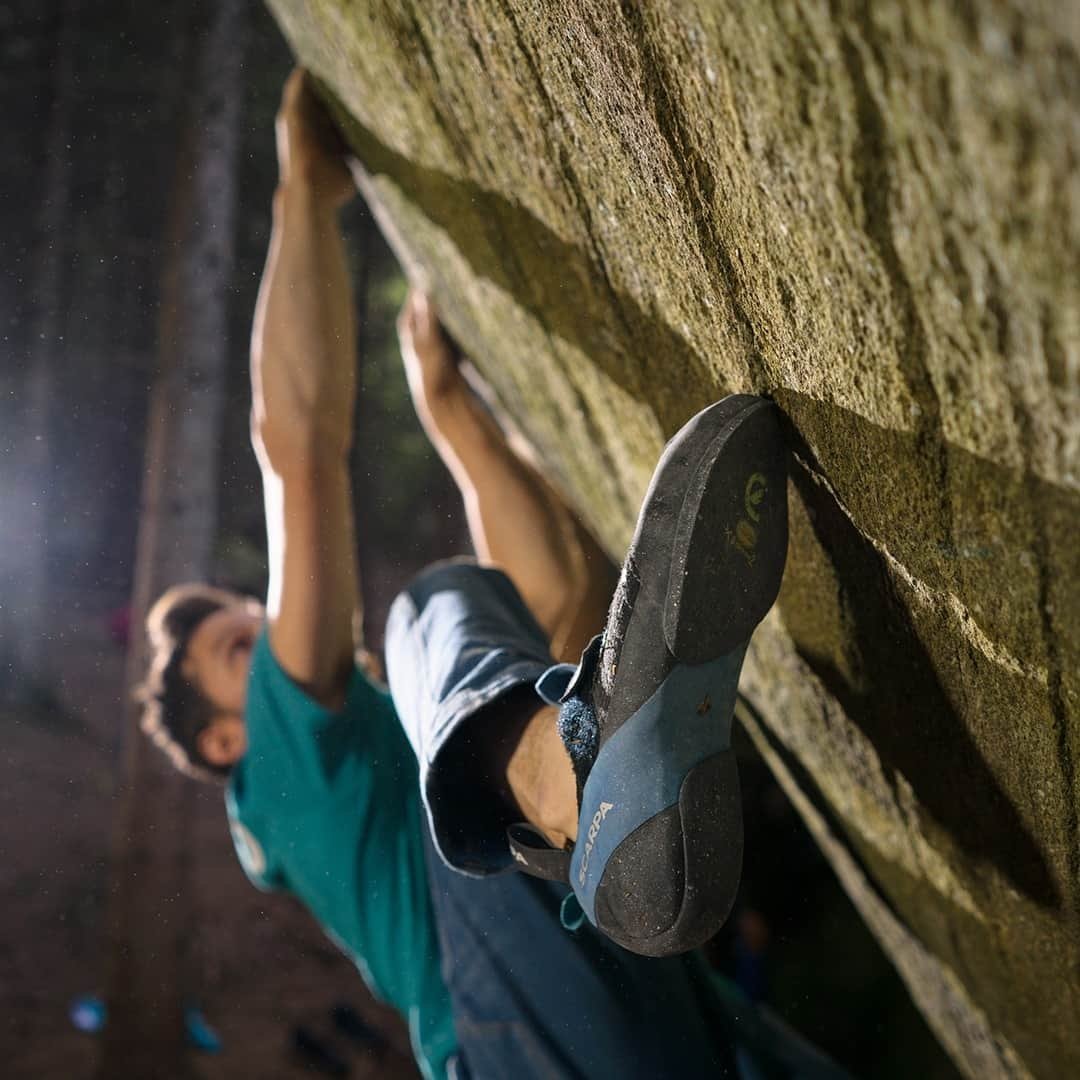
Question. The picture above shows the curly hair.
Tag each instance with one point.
(175, 710)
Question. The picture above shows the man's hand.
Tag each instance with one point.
(310, 149)
(431, 358)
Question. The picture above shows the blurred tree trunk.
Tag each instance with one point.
(149, 915)
(32, 610)
(360, 464)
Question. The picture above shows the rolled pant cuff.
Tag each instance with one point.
(459, 638)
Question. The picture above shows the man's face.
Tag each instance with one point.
(217, 661)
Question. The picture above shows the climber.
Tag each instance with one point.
(393, 818)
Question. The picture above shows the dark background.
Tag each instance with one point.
(92, 98)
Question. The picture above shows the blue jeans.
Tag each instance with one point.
(531, 999)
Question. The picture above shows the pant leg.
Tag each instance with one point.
(533, 1001)
(458, 638)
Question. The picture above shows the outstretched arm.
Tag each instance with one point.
(516, 519)
(303, 364)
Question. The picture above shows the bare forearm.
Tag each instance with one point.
(303, 358)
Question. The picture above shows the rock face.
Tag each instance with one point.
(870, 212)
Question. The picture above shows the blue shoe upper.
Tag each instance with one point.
(641, 768)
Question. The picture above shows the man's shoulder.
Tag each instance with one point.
(302, 756)
(271, 688)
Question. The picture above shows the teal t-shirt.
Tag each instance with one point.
(327, 806)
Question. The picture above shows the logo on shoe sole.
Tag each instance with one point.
(590, 842)
(745, 534)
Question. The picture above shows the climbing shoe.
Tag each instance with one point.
(646, 716)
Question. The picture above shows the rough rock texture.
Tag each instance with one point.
(872, 213)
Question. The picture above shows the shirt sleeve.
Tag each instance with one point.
(252, 855)
(302, 751)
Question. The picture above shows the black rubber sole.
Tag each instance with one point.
(669, 886)
(731, 541)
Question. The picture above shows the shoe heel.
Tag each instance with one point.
(703, 870)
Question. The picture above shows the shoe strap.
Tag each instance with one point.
(534, 855)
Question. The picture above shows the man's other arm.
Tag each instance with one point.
(303, 373)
